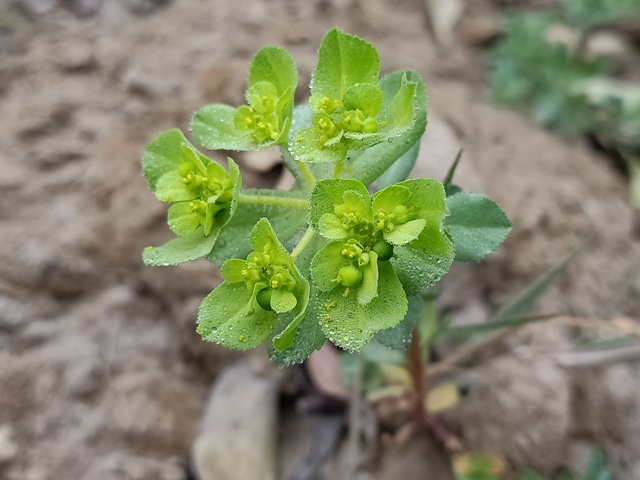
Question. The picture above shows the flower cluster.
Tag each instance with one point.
(365, 233)
(241, 312)
(327, 260)
(262, 117)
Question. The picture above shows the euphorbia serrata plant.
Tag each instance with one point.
(337, 257)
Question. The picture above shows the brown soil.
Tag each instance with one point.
(102, 375)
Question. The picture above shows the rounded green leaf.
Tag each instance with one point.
(214, 128)
(232, 270)
(477, 225)
(363, 96)
(331, 227)
(417, 269)
(282, 300)
(165, 154)
(405, 233)
(427, 199)
(258, 92)
(389, 198)
(180, 250)
(170, 188)
(329, 193)
(231, 317)
(274, 65)
(305, 147)
(343, 61)
(182, 220)
(351, 325)
(326, 265)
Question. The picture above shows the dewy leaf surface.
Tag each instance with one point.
(305, 148)
(234, 238)
(308, 337)
(307, 334)
(261, 235)
(180, 250)
(399, 137)
(351, 325)
(164, 156)
(230, 316)
(213, 128)
(343, 61)
(274, 65)
(329, 193)
(477, 225)
(425, 260)
(399, 337)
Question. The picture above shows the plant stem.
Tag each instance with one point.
(338, 168)
(352, 459)
(301, 171)
(417, 372)
(307, 173)
(275, 201)
(304, 241)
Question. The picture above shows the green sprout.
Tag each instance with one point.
(327, 259)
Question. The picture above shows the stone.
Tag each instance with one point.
(12, 313)
(76, 57)
(123, 466)
(8, 449)
(518, 409)
(609, 44)
(262, 160)
(238, 432)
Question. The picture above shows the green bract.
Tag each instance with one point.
(370, 238)
(328, 259)
(241, 312)
(350, 110)
(202, 197)
(266, 120)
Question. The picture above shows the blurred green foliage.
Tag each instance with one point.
(480, 467)
(566, 86)
(591, 13)
(527, 71)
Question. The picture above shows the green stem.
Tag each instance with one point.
(338, 169)
(308, 174)
(275, 201)
(417, 373)
(303, 243)
(298, 168)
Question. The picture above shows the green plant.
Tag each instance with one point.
(565, 87)
(485, 467)
(528, 71)
(328, 259)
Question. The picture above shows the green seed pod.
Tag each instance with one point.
(383, 249)
(370, 125)
(349, 276)
(264, 299)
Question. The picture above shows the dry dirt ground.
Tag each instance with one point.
(101, 373)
